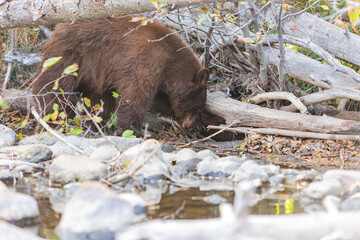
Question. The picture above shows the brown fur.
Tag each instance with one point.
(114, 54)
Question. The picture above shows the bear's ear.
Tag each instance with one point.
(202, 76)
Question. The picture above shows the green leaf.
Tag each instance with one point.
(62, 115)
(71, 69)
(241, 2)
(47, 117)
(62, 91)
(246, 53)
(77, 131)
(115, 94)
(155, 3)
(55, 106)
(87, 102)
(325, 7)
(144, 22)
(24, 123)
(4, 105)
(163, 4)
(248, 40)
(201, 19)
(113, 121)
(97, 119)
(20, 135)
(128, 134)
(51, 61)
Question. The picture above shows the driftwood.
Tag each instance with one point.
(256, 116)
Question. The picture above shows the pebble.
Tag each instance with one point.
(7, 136)
(65, 169)
(318, 190)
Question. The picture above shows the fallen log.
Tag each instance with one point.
(255, 116)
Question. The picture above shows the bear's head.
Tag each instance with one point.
(190, 104)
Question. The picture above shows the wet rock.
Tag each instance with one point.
(59, 149)
(106, 153)
(16, 206)
(185, 155)
(219, 167)
(66, 169)
(122, 144)
(94, 212)
(145, 160)
(318, 190)
(7, 136)
(277, 179)
(287, 172)
(29, 153)
(11, 232)
(42, 138)
(248, 171)
(138, 204)
(307, 175)
(271, 169)
(207, 154)
(152, 194)
(352, 203)
(214, 199)
(167, 148)
(347, 178)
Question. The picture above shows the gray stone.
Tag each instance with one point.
(277, 179)
(44, 138)
(33, 153)
(287, 172)
(123, 144)
(59, 149)
(106, 153)
(214, 199)
(9, 175)
(7, 136)
(145, 160)
(65, 169)
(207, 154)
(248, 171)
(347, 178)
(186, 154)
(94, 212)
(138, 204)
(219, 167)
(318, 190)
(307, 175)
(16, 206)
(70, 188)
(271, 169)
(11, 232)
(352, 203)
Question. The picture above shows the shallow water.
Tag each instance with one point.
(186, 204)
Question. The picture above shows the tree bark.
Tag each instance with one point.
(256, 116)
(20, 13)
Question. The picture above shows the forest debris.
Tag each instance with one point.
(255, 116)
(283, 96)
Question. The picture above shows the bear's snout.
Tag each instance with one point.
(190, 122)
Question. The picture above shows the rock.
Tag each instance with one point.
(7, 136)
(106, 153)
(220, 167)
(185, 155)
(145, 160)
(94, 212)
(34, 153)
(66, 169)
(138, 204)
(11, 232)
(70, 188)
(123, 144)
(207, 154)
(167, 148)
(307, 175)
(214, 199)
(17, 206)
(347, 178)
(352, 203)
(249, 171)
(277, 179)
(42, 138)
(287, 172)
(271, 169)
(318, 190)
(59, 149)
(6, 175)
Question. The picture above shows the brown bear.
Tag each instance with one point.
(138, 62)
